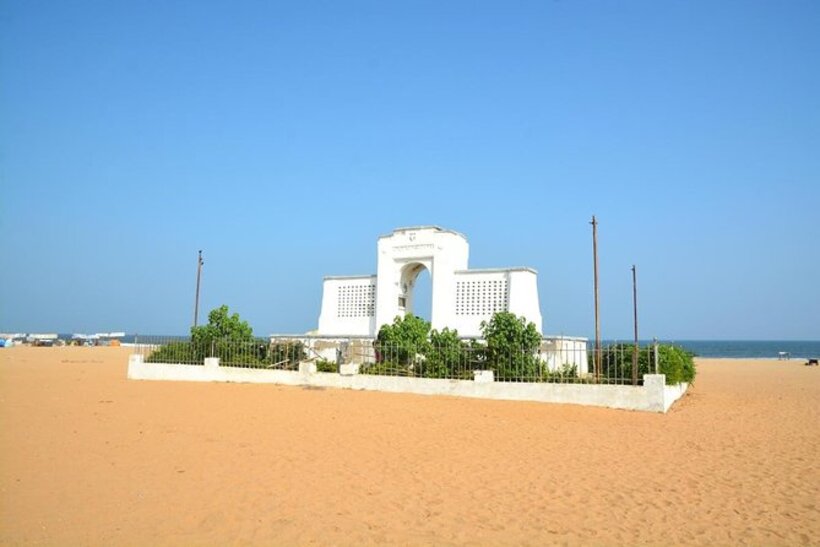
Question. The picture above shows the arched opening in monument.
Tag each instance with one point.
(416, 291)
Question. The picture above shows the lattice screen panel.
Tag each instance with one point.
(484, 297)
(356, 301)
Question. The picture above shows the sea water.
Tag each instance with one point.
(746, 349)
(752, 348)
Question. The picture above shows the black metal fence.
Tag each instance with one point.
(258, 353)
(573, 362)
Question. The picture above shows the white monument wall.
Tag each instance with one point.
(461, 298)
(524, 295)
(442, 252)
(479, 294)
(348, 306)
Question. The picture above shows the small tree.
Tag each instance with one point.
(400, 342)
(512, 345)
(228, 337)
(222, 326)
(448, 356)
(225, 336)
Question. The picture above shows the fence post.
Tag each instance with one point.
(655, 348)
(341, 354)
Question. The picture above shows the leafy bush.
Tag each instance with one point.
(179, 352)
(447, 356)
(387, 368)
(616, 362)
(565, 372)
(222, 326)
(676, 363)
(402, 341)
(512, 346)
(325, 365)
(409, 347)
(230, 339)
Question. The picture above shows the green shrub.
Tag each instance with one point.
(446, 357)
(676, 363)
(233, 353)
(387, 368)
(230, 339)
(403, 341)
(409, 347)
(179, 352)
(616, 362)
(512, 346)
(565, 372)
(225, 336)
(222, 326)
(325, 365)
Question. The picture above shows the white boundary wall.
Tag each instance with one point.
(653, 396)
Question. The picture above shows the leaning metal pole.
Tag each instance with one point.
(199, 264)
(597, 360)
(635, 316)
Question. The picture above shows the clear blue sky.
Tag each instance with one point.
(283, 138)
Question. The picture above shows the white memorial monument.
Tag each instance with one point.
(357, 306)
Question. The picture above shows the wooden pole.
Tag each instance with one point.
(199, 264)
(635, 316)
(597, 360)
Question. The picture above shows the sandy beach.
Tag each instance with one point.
(90, 458)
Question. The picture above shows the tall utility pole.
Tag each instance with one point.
(597, 361)
(635, 315)
(199, 263)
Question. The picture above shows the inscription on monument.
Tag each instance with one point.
(416, 247)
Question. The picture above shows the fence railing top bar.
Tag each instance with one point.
(336, 337)
(321, 336)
